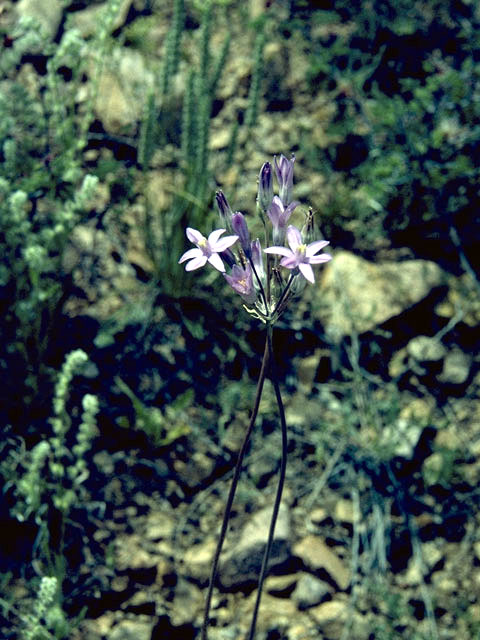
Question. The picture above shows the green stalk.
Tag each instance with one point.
(233, 488)
(281, 483)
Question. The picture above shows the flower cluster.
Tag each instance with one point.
(260, 282)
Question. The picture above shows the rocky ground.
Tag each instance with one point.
(378, 531)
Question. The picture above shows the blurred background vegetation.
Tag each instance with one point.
(118, 122)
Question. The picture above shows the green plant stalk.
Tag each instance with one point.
(268, 362)
(281, 483)
(233, 488)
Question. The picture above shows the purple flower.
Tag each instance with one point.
(265, 187)
(207, 250)
(300, 255)
(279, 216)
(284, 173)
(241, 280)
(239, 226)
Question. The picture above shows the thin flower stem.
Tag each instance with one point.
(283, 296)
(233, 488)
(281, 482)
(262, 290)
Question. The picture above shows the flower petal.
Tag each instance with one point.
(223, 243)
(307, 272)
(216, 262)
(275, 211)
(325, 257)
(291, 207)
(290, 263)
(214, 236)
(193, 235)
(191, 253)
(281, 251)
(294, 237)
(315, 247)
(196, 263)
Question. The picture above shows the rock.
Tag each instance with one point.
(242, 566)
(358, 296)
(418, 410)
(87, 20)
(47, 14)
(344, 511)
(187, 603)
(448, 438)
(274, 617)
(165, 573)
(281, 586)
(319, 516)
(220, 139)
(159, 526)
(432, 555)
(476, 548)
(456, 368)
(434, 467)
(257, 8)
(307, 368)
(309, 591)
(426, 350)
(400, 438)
(413, 575)
(320, 558)
(136, 629)
(330, 617)
(121, 95)
(134, 560)
(113, 106)
(198, 560)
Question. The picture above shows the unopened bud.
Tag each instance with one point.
(265, 187)
(239, 226)
(308, 229)
(224, 209)
(229, 258)
(284, 172)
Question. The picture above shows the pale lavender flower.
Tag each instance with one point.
(279, 215)
(239, 226)
(300, 255)
(257, 259)
(241, 280)
(207, 250)
(284, 173)
(265, 187)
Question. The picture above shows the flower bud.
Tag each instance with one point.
(257, 259)
(265, 187)
(308, 229)
(284, 173)
(224, 209)
(229, 257)
(239, 226)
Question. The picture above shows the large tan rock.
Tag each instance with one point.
(320, 558)
(47, 14)
(357, 295)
